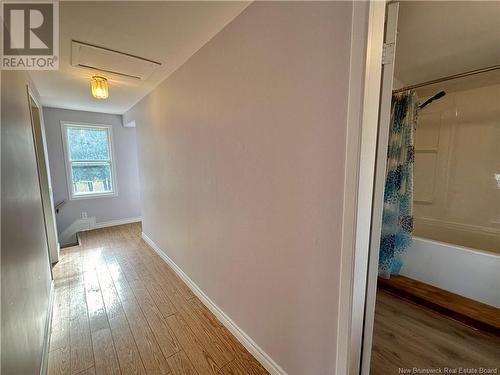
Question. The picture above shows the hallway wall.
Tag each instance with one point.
(123, 206)
(241, 158)
(25, 271)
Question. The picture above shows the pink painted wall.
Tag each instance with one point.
(25, 266)
(241, 158)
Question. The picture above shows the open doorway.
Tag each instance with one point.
(432, 297)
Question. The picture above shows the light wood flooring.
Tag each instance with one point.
(468, 311)
(407, 335)
(119, 309)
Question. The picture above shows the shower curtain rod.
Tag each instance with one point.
(443, 79)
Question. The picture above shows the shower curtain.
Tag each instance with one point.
(397, 219)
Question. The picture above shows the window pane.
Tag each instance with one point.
(88, 143)
(91, 178)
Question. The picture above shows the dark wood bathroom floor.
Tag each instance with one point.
(407, 335)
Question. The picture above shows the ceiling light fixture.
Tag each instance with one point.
(99, 86)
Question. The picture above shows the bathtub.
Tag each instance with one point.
(468, 272)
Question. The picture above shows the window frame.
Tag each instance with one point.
(64, 133)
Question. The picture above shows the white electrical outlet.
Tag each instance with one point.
(84, 215)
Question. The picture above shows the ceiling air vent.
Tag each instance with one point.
(106, 60)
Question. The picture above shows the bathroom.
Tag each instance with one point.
(456, 198)
(438, 291)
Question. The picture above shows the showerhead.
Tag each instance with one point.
(439, 95)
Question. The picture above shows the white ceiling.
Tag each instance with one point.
(167, 32)
(437, 39)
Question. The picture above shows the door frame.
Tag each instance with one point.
(388, 63)
(370, 93)
(44, 178)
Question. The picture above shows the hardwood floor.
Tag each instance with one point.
(119, 309)
(407, 335)
(472, 313)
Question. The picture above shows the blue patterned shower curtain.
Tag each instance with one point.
(397, 219)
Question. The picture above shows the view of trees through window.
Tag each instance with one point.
(89, 155)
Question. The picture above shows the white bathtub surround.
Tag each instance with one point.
(468, 272)
(456, 162)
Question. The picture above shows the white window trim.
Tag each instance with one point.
(64, 125)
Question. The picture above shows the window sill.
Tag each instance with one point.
(93, 196)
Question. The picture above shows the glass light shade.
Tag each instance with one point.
(99, 86)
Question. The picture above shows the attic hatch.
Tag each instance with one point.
(102, 59)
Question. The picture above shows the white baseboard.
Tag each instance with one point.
(48, 329)
(259, 354)
(113, 223)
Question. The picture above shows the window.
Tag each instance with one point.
(89, 160)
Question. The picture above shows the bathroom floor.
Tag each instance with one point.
(407, 335)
